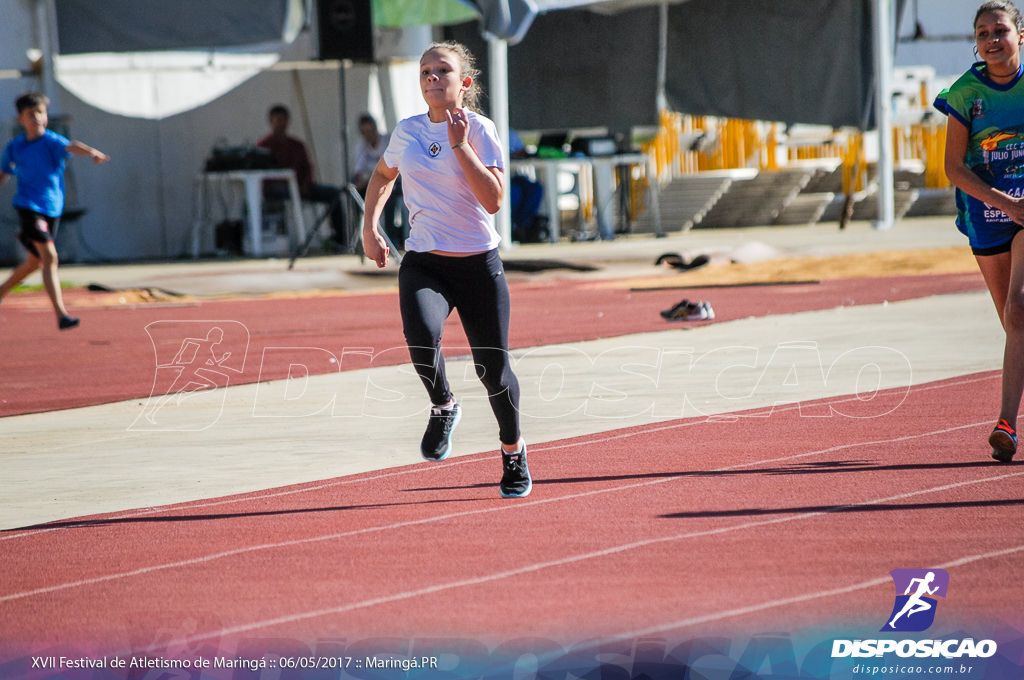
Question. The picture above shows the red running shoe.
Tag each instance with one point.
(1004, 442)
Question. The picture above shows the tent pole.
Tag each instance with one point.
(307, 128)
(497, 53)
(883, 16)
(343, 107)
(46, 38)
(662, 102)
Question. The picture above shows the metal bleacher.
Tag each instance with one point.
(790, 196)
(685, 202)
(758, 200)
(722, 173)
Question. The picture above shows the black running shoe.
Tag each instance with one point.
(689, 311)
(437, 440)
(67, 322)
(515, 481)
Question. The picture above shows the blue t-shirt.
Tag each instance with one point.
(39, 167)
(993, 114)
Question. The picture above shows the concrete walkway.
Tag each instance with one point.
(623, 257)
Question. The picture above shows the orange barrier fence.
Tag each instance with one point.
(728, 143)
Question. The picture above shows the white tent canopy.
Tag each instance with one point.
(141, 205)
(869, 108)
(735, 85)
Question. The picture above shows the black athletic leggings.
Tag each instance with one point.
(430, 287)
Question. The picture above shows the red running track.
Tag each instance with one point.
(753, 524)
(757, 525)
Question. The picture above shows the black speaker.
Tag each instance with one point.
(345, 29)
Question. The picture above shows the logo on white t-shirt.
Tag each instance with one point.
(434, 149)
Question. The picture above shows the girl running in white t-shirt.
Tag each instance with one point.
(453, 180)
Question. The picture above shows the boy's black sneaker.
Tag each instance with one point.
(437, 440)
(515, 481)
(67, 322)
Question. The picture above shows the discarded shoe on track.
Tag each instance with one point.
(689, 311)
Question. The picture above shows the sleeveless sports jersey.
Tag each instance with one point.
(443, 212)
(994, 116)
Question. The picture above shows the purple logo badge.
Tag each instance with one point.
(916, 590)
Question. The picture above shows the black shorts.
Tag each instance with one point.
(36, 228)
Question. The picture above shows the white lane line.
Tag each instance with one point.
(467, 513)
(785, 601)
(613, 550)
(473, 458)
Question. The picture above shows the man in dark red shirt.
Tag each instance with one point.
(290, 152)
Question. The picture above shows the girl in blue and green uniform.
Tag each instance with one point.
(985, 161)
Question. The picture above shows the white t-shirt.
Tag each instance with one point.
(443, 212)
(367, 156)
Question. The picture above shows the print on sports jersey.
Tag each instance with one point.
(1015, 171)
(434, 149)
(976, 109)
(991, 143)
(999, 147)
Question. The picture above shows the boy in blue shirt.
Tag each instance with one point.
(36, 158)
